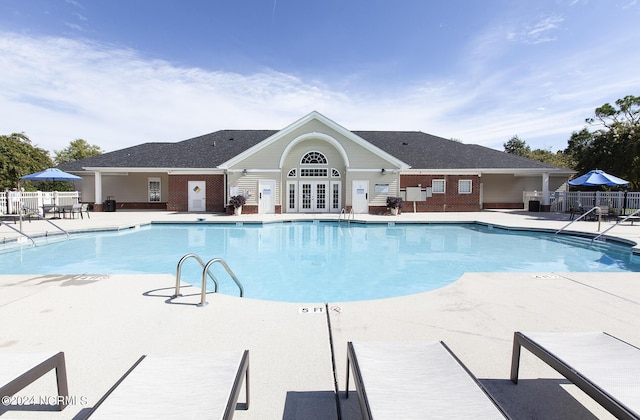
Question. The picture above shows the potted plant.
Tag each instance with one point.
(395, 204)
(237, 201)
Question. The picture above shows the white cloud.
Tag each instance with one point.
(56, 90)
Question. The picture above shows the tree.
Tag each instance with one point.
(613, 147)
(77, 149)
(517, 147)
(18, 157)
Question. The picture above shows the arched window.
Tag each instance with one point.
(313, 158)
(292, 173)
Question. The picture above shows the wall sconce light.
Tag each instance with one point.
(383, 171)
(244, 172)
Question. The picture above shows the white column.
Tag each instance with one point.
(98, 187)
(545, 189)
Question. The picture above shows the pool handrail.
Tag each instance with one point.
(37, 214)
(347, 216)
(18, 231)
(616, 224)
(179, 272)
(583, 215)
(205, 270)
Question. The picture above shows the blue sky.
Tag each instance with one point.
(120, 73)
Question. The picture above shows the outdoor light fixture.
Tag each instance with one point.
(244, 172)
(383, 171)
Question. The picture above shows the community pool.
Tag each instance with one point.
(321, 261)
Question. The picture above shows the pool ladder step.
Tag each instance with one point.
(205, 272)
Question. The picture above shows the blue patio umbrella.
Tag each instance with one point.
(597, 177)
(51, 174)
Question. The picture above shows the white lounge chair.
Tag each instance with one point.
(17, 371)
(604, 367)
(194, 386)
(416, 380)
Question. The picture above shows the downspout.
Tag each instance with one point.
(226, 190)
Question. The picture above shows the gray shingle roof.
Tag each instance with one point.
(418, 149)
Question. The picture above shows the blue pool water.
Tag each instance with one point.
(321, 262)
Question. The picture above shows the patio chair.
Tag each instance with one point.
(604, 367)
(79, 208)
(194, 386)
(19, 370)
(51, 209)
(416, 380)
(604, 213)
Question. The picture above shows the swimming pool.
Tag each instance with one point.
(321, 261)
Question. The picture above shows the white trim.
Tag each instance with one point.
(466, 181)
(493, 171)
(236, 171)
(314, 115)
(151, 179)
(314, 136)
(287, 199)
(444, 186)
(378, 170)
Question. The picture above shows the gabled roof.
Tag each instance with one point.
(425, 151)
(206, 151)
(316, 116)
(417, 149)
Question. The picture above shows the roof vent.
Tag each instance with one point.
(404, 143)
(214, 143)
(230, 138)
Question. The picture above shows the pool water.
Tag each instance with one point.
(321, 261)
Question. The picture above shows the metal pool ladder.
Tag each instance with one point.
(205, 272)
(347, 216)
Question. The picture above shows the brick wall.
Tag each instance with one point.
(179, 194)
(451, 200)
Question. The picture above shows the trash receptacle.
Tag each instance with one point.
(110, 204)
(534, 205)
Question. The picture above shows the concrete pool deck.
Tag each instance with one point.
(104, 323)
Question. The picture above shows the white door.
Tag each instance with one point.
(197, 196)
(266, 197)
(360, 197)
(313, 197)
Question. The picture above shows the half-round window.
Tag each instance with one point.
(313, 158)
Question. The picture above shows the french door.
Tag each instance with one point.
(313, 196)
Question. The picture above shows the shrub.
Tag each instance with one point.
(394, 202)
(237, 201)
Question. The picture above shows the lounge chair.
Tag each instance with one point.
(194, 386)
(416, 380)
(17, 371)
(604, 367)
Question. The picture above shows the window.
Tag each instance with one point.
(292, 173)
(335, 173)
(464, 186)
(438, 186)
(292, 196)
(154, 190)
(319, 172)
(313, 158)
